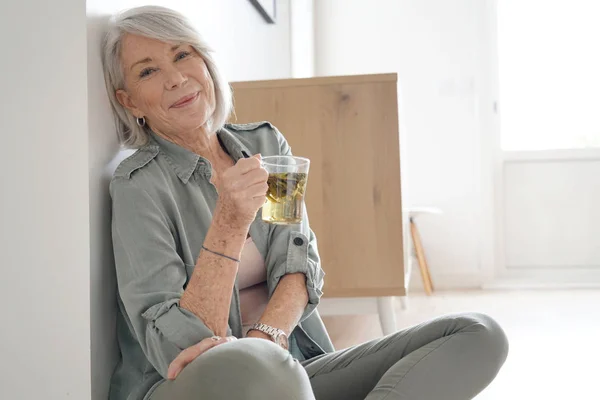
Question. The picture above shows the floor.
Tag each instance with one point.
(554, 338)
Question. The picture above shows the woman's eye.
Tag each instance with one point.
(182, 55)
(145, 72)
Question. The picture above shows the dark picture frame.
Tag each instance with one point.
(266, 8)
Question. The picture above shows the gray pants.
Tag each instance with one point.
(453, 357)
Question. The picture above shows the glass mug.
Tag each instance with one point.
(288, 176)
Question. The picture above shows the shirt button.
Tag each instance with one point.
(298, 241)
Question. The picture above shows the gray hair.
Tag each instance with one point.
(166, 25)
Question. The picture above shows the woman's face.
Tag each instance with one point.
(166, 83)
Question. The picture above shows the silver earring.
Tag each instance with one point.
(141, 121)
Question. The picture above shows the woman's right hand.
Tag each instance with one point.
(191, 353)
(242, 190)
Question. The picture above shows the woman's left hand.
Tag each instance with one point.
(191, 353)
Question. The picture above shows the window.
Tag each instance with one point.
(549, 74)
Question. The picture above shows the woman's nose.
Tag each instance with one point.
(175, 78)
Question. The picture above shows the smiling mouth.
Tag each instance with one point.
(186, 100)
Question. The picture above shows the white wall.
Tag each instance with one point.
(247, 49)
(551, 213)
(548, 221)
(434, 46)
(302, 38)
(44, 289)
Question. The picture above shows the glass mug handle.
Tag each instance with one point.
(262, 165)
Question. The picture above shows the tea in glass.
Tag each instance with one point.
(287, 180)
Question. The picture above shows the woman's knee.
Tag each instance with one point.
(263, 369)
(490, 336)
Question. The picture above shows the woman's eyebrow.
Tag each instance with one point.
(144, 61)
(148, 59)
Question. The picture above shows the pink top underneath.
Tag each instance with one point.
(252, 282)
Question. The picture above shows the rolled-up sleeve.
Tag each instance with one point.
(151, 276)
(293, 249)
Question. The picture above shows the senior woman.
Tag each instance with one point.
(213, 302)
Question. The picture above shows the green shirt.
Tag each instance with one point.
(162, 205)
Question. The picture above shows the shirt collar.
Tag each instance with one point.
(184, 162)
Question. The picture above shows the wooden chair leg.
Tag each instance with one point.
(428, 285)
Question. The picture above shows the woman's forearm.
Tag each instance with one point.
(287, 304)
(208, 294)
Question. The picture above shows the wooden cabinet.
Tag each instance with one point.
(348, 127)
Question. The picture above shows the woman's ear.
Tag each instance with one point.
(125, 101)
